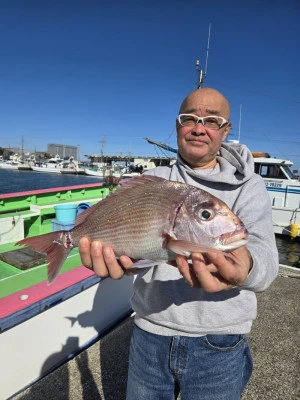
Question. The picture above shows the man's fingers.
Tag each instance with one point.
(113, 267)
(127, 265)
(85, 252)
(202, 274)
(102, 260)
(233, 267)
(186, 271)
(99, 266)
(205, 274)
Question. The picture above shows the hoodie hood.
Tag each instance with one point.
(235, 166)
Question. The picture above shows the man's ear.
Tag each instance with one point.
(226, 130)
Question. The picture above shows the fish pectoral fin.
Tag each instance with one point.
(146, 263)
(185, 248)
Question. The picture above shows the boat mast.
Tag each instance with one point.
(201, 73)
(199, 84)
(22, 149)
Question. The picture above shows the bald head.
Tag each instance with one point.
(206, 100)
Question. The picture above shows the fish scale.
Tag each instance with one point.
(139, 218)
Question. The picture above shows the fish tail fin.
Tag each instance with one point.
(51, 244)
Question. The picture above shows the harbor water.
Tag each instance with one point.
(18, 181)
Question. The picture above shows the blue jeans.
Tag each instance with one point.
(212, 367)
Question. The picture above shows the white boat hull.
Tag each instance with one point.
(47, 169)
(283, 218)
(9, 166)
(38, 345)
(94, 173)
(285, 199)
(103, 173)
(73, 171)
(284, 192)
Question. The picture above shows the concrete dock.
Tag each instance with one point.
(100, 372)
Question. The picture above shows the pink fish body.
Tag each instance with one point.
(149, 219)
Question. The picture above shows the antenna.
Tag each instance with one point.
(207, 49)
(102, 147)
(22, 148)
(202, 74)
(240, 122)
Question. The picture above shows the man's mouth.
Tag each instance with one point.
(195, 140)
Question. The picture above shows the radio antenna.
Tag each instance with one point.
(202, 74)
(240, 122)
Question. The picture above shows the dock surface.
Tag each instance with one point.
(100, 372)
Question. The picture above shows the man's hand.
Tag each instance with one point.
(102, 260)
(211, 271)
(214, 272)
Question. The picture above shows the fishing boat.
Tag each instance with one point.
(71, 166)
(52, 165)
(25, 166)
(99, 172)
(56, 165)
(104, 171)
(9, 164)
(118, 175)
(284, 190)
(41, 325)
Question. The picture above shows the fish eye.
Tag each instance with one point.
(206, 215)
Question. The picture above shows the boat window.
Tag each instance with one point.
(272, 171)
(257, 168)
(288, 172)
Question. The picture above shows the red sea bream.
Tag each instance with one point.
(149, 219)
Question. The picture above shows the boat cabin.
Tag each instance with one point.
(273, 168)
(284, 190)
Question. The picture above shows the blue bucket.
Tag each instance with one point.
(66, 212)
(82, 207)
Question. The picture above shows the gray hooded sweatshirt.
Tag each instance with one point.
(165, 304)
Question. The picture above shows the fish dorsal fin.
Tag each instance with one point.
(139, 180)
(125, 186)
(132, 183)
(83, 215)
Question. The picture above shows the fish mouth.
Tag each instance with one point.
(235, 239)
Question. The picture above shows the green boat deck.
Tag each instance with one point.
(29, 214)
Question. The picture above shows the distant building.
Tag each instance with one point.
(62, 150)
(143, 162)
(152, 162)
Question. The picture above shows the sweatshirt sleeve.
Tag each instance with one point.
(255, 210)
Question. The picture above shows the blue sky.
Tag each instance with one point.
(87, 72)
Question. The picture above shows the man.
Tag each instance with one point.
(191, 321)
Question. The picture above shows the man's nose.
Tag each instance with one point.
(199, 128)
